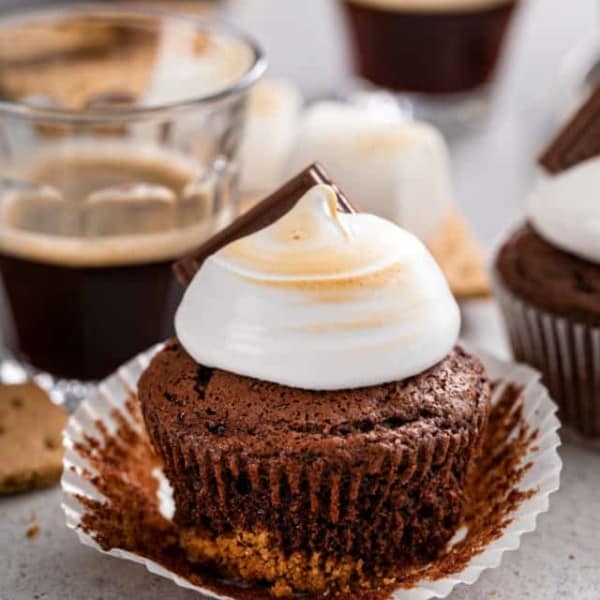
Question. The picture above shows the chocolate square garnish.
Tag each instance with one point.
(265, 213)
(578, 140)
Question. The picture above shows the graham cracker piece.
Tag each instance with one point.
(460, 257)
(31, 448)
(578, 140)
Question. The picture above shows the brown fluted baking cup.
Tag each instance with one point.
(114, 502)
(567, 353)
(332, 490)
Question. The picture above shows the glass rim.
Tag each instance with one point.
(244, 82)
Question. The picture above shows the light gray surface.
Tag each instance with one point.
(493, 168)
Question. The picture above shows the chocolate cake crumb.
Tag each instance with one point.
(130, 518)
(33, 531)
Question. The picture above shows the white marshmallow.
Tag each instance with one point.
(190, 64)
(394, 168)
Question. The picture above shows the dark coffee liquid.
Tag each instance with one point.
(82, 322)
(429, 52)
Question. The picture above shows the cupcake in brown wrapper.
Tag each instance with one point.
(312, 490)
(550, 300)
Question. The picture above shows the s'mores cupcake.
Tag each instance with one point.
(316, 418)
(547, 273)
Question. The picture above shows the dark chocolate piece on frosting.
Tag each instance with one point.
(578, 140)
(264, 213)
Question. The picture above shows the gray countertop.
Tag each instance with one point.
(493, 167)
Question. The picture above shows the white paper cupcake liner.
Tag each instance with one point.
(542, 476)
(566, 353)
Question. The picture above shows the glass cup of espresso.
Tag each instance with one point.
(119, 131)
(439, 56)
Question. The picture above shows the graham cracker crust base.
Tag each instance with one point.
(250, 556)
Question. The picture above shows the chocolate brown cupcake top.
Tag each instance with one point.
(549, 278)
(234, 411)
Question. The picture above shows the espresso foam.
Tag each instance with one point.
(109, 250)
(97, 203)
(79, 168)
(437, 6)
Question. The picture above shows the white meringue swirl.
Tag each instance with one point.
(565, 209)
(320, 300)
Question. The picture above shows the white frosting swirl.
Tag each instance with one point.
(565, 209)
(320, 300)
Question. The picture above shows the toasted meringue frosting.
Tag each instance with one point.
(565, 210)
(320, 300)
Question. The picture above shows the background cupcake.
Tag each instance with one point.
(547, 274)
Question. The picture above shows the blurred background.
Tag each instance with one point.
(493, 164)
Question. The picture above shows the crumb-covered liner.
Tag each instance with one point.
(542, 476)
(567, 354)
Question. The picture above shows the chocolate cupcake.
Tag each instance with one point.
(316, 420)
(547, 276)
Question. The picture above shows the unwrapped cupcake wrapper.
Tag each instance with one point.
(567, 353)
(114, 393)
